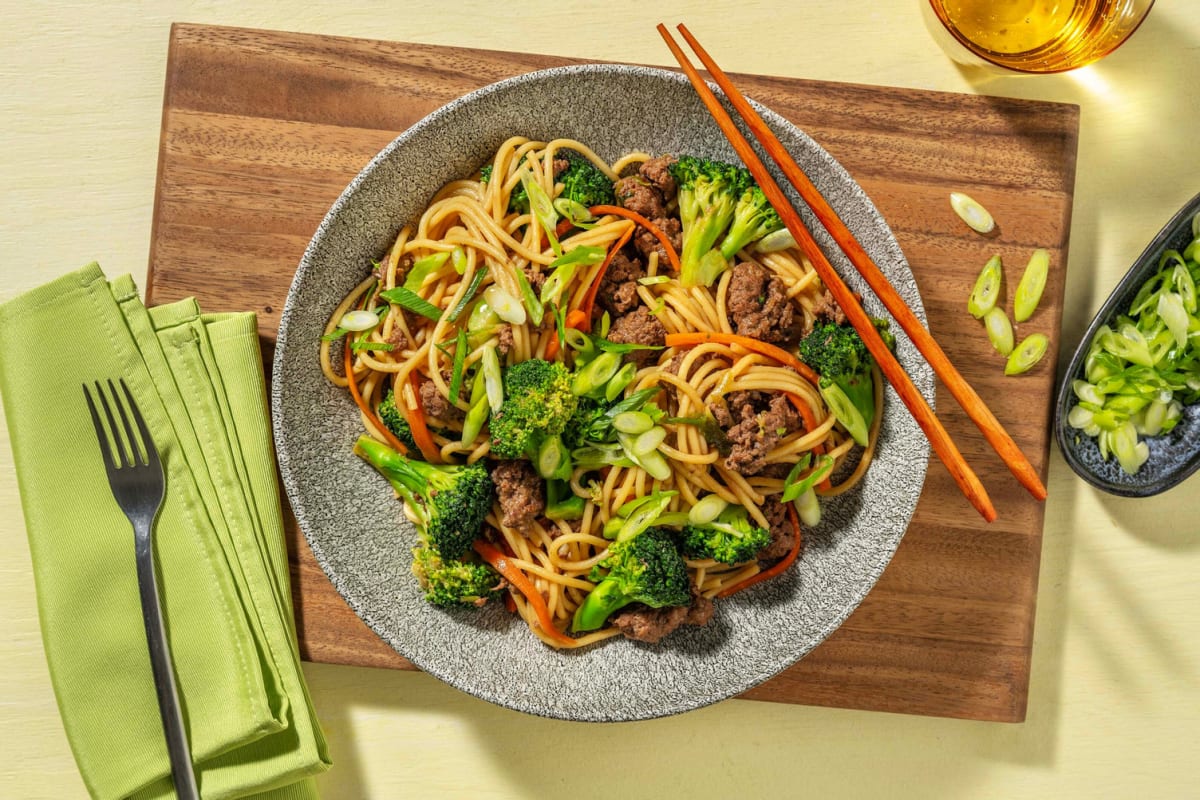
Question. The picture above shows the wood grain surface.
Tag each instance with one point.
(262, 130)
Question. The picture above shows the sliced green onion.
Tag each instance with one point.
(469, 295)
(358, 320)
(575, 212)
(654, 280)
(532, 304)
(361, 345)
(493, 381)
(644, 517)
(552, 460)
(656, 466)
(1156, 415)
(1032, 284)
(794, 488)
(617, 383)
(424, 267)
(1087, 392)
(456, 372)
(480, 408)
(971, 212)
(999, 330)
(633, 505)
(577, 340)
(707, 509)
(1128, 343)
(542, 208)
(1171, 311)
(846, 413)
(595, 374)
(458, 258)
(808, 509)
(1123, 443)
(1080, 417)
(633, 422)
(775, 241)
(406, 298)
(1027, 353)
(483, 317)
(507, 307)
(987, 288)
(648, 442)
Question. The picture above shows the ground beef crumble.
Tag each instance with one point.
(645, 624)
(618, 289)
(639, 327)
(783, 536)
(754, 422)
(520, 492)
(759, 306)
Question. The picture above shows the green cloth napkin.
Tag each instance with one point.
(198, 380)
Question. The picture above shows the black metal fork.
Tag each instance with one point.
(135, 475)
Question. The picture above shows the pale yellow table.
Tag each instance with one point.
(1114, 708)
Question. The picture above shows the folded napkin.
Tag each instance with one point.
(198, 380)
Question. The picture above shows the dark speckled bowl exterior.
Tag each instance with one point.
(357, 529)
(1174, 456)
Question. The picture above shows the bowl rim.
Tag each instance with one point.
(1135, 275)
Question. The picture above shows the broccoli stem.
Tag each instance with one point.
(599, 605)
(400, 472)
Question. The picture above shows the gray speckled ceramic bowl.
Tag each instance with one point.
(357, 530)
(1173, 456)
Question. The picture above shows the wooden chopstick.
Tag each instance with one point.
(971, 403)
(968, 482)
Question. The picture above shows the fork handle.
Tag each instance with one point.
(160, 662)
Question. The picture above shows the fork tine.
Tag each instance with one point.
(147, 439)
(135, 455)
(101, 435)
(120, 454)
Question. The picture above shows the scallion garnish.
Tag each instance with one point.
(408, 299)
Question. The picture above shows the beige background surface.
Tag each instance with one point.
(1114, 706)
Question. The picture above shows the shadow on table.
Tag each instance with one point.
(735, 748)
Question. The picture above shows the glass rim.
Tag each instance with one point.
(985, 55)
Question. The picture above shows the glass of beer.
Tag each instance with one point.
(1033, 36)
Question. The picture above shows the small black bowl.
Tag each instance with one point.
(1173, 456)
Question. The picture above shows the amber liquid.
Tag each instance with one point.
(1041, 35)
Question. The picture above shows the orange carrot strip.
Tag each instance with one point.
(589, 300)
(501, 563)
(577, 319)
(810, 424)
(776, 568)
(762, 348)
(552, 348)
(416, 421)
(672, 256)
(392, 441)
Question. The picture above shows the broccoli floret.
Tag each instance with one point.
(841, 358)
(518, 199)
(645, 569)
(753, 219)
(449, 500)
(584, 182)
(450, 582)
(394, 421)
(732, 538)
(708, 195)
(537, 405)
(588, 412)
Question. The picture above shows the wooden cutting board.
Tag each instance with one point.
(262, 130)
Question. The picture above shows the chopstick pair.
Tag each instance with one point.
(970, 401)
